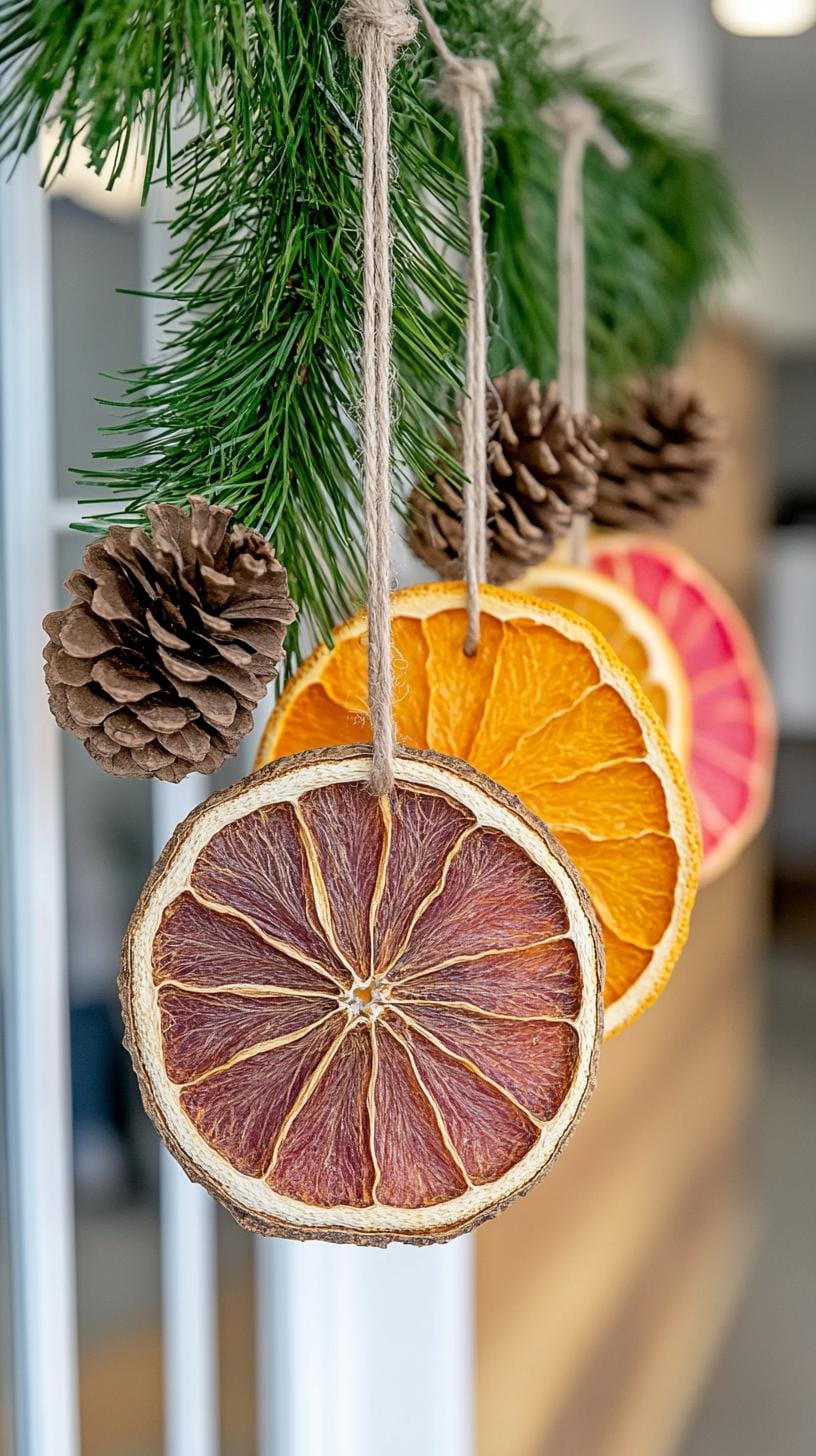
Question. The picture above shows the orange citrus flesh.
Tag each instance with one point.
(547, 710)
(731, 757)
(632, 631)
(376, 1016)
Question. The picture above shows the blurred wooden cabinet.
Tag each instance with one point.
(603, 1297)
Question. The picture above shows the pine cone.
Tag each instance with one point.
(661, 453)
(169, 643)
(542, 470)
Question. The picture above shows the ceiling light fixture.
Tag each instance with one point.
(765, 17)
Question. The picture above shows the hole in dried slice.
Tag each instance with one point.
(358, 1017)
(548, 710)
(733, 735)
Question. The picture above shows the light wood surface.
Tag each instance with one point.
(603, 1297)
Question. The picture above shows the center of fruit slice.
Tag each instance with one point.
(369, 1005)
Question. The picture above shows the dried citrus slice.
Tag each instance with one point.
(639, 639)
(545, 708)
(363, 1019)
(730, 765)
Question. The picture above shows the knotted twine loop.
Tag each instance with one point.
(467, 89)
(578, 124)
(374, 31)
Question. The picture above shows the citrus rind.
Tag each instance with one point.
(659, 669)
(499, 606)
(496, 821)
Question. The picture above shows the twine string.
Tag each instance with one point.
(375, 30)
(578, 124)
(467, 89)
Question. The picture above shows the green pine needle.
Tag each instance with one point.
(252, 400)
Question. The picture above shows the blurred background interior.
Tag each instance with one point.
(690, 1328)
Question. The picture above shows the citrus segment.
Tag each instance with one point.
(344, 834)
(323, 1153)
(509, 983)
(456, 705)
(548, 711)
(488, 1131)
(490, 896)
(258, 869)
(532, 1060)
(364, 1018)
(536, 666)
(199, 946)
(632, 631)
(733, 735)
(590, 733)
(417, 1166)
(629, 880)
(203, 1030)
(239, 1110)
(423, 832)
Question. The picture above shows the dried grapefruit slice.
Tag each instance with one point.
(545, 708)
(364, 1019)
(730, 764)
(639, 639)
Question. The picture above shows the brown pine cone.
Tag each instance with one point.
(661, 452)
(542, 470)
(170, 642)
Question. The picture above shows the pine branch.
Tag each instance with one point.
(252, 400)
(113, 73)
(659, 233)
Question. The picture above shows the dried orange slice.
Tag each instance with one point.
(733, 723)
(363, 1019)
(546, 709)
(635, 634)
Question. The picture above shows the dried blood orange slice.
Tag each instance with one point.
(363, 1019)
(547, 709)
(731, 760)
(635, 634)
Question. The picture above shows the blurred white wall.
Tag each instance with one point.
(675, 39)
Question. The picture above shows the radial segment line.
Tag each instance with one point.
(319, 891)
(556, 826)
(382, 874)
(435, 1109)
(372, 1112)
(466, 1062)
(303, 1097)
(276, 944)
(719, 755)
(607, 923)
(710, 815)
(668, 596)
(621, 570)
(480, 1010)
(524, 738)
(258, 1047)
(433, 894)
(694, 629)
(595, 768)
(717, 677)
(243, 988)
(462, 960)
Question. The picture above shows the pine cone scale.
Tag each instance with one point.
(542, 465)
(662, 452)
(171, 639)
